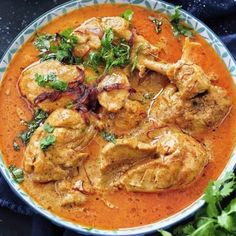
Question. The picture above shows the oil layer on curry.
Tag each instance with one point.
(128, 112)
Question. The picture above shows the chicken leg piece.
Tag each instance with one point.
(189, 78)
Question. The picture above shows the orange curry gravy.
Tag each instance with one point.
(132, 209)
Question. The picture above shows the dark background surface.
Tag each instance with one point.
(17, 14)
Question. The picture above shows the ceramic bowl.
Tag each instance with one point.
(161, 6)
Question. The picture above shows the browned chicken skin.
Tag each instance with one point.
(62, 158)
(193, 115)
(172, 160)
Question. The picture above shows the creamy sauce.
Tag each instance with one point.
(130, 209)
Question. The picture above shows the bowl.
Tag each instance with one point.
(60, 10)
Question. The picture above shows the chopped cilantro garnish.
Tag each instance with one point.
(58, 46)
(70, 105)
(107, 39)
(50, 80)
(17, 173)
(156, 22)
(16, 146)
(177, 26)
(90, 79)
(89, 228)
(48, 128)
(135, 59)
(110, 54)
(108, 136)
(38, 118)
(47, 141)
(127, 14)
(148, 95)
(43, 42)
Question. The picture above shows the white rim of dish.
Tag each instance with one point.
(76, 4)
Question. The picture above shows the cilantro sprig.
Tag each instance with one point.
(218, 217)
(50, 80)
(178, 26)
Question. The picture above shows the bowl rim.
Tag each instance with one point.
(138, 230)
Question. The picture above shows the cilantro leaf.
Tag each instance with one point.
(94, 59)
(135, 59)
(108, 136)
(107, 38)
(43, 42)
(90, 79)
(44, 80)
(48, 128)
(17, 173)
(38, 118)
(70, 105)
(50, 80)
(58, 46)
(16, 146)
(164, 233)
(178, 26)
(156, 22)
(227, 221)
(127, 14)
(231, 208)
(47, 141)
(110, 55)
(206, 229)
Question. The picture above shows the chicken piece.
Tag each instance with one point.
(91, 25)
(89, 33)
(180, 160)
(69, 194)
(194, 115)
(64, 156)
(89, 36)
(118, 24)
(73, 198)
(189, 78)
(31, 90)
(128, 118)
(117, 158)
(141, 52)
(114, 90)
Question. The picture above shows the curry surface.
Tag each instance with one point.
(130, 209)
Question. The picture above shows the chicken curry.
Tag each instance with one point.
(116, 116)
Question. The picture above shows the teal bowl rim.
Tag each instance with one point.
(69, 6)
